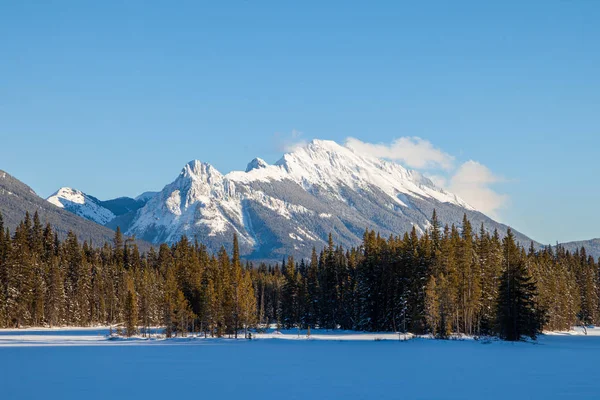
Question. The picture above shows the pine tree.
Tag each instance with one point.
(291, 295)
(432, 306)
(4, 246)
(517, 313)
(55, 295)
(118, 246)
(131, 309)
(313, 288)
(19, 279)
(169, 294)
(181, 314)
(224, 293)
(236, 279)
(145, 300)
(247, 303)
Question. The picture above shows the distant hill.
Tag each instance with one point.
(16, 198)
(98, 211)
(592, 246)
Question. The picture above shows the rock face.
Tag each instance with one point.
(291, 206)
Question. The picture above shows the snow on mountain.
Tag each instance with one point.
(144, 197)
(111, 213)
(328, 164)
(291, 206)
(257, 163)
(199, 197)
(81, 204)
(282, 209)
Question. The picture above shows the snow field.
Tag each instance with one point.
(84, 364)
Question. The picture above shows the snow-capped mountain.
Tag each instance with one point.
(81, 204)
(98, 211)
(291, 206)
(285, 208)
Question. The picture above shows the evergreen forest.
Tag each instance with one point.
(447, 281)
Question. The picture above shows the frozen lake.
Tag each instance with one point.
(82, 364)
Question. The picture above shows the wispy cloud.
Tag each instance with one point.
(472, 181)
(438, 180)
(413, 152)
(288, 142)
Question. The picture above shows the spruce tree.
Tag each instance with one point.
(517, 315)
(432, 307)
(131, 309)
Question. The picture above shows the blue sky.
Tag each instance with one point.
(113, 98)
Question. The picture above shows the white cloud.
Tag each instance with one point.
(413, 152)
(472, 182)
(289, 142)
(438, 180)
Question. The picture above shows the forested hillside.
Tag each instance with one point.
(442, 282)
(16, 198)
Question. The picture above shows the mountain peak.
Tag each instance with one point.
(67, 193)
(257, 163)
(286, 208)
(326, 144)
(196, 169)
(79, 203)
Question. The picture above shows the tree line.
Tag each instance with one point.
(448, 280)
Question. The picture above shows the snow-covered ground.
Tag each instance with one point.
(80, 363)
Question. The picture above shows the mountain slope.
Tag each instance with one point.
(81, 204)
(592, 247)
(111, 213)
(16, 198)
(289, 207)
